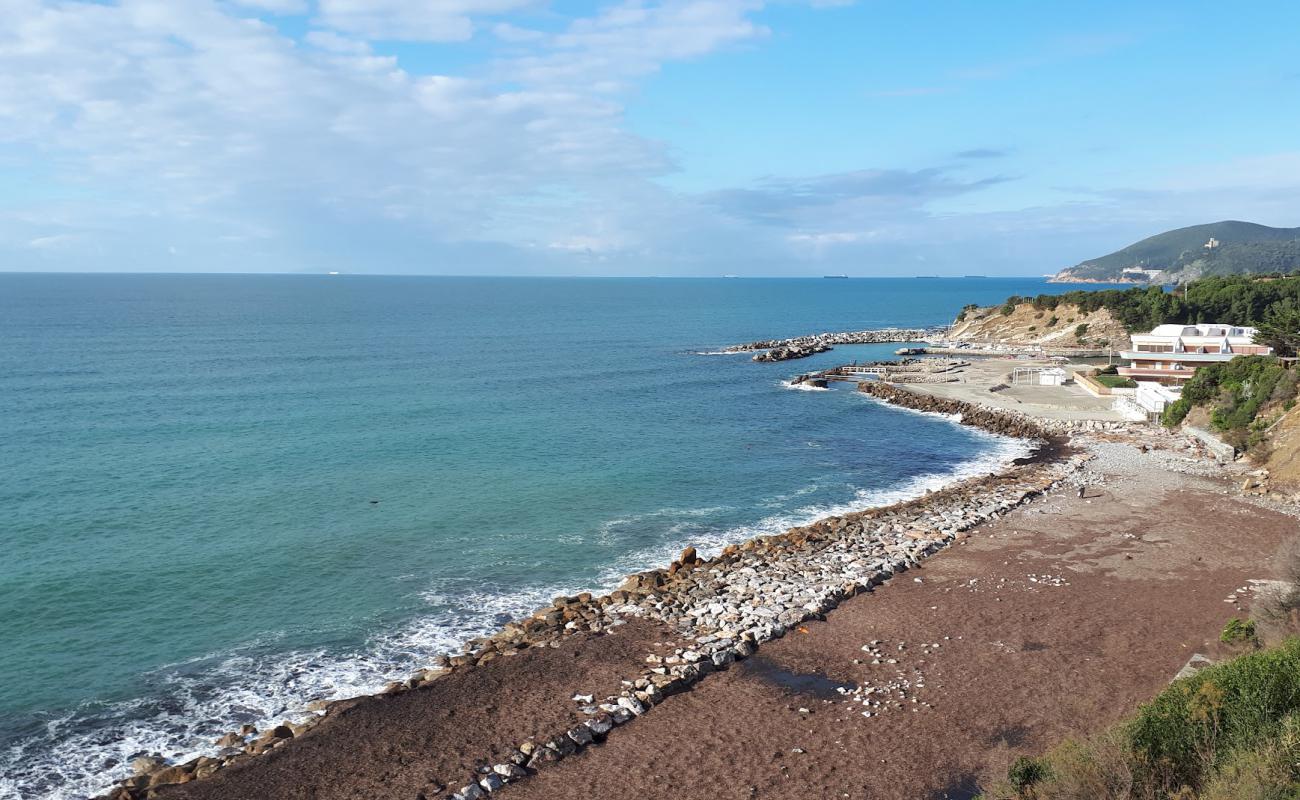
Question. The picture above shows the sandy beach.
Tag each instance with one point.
(1005, 614)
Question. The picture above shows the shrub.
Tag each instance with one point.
(1025, 772)
(1230, 732)
(1237, 631)
(1008, 308)
(1193, 724)
(1051, 321)
(1081, 330)
(1176, 412)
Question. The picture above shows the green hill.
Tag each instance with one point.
(1219, 248)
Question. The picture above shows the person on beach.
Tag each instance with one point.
(1081, 490)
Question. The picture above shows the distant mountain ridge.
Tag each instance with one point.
(1217, 248)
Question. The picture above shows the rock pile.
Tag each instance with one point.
(791, 351)
(1000, 421)
(803, 346)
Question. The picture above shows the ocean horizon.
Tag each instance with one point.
(226, 496)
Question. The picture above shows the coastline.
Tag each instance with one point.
(673, 597)
(656, 637)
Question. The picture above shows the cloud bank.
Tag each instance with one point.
(277, 135)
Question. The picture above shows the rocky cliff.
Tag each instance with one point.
(1284, 459)
(1025, 325)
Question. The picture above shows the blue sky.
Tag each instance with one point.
(680, 137)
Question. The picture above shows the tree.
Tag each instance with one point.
(1280, 328)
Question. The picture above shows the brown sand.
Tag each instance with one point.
(1136, 578)
(405, 744)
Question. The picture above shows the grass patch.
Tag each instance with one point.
(1115, 381)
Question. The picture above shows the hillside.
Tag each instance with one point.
(1219, 248)
(1025, 324)
(1283, 462)
(1271, 304)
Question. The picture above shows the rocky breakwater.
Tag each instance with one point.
(792, 351)
(1004, 422)
(724, 608)
(803, 346)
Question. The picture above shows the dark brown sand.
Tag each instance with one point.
(1128, 584)
(404, 744)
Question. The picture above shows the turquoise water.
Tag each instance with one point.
(189, 464)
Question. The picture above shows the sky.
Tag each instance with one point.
(662, 137)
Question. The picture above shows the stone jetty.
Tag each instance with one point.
(723, 607)
(1004, 422)
(804, 346)
(909, 370)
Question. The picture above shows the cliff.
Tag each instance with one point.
(1283, 462)
(1026, 325)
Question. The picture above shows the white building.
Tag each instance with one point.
(1141, 274)
(1170, 354)
(1052, 376)
(1153, 398)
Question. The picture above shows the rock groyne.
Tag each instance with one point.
(1003, 422)
(804, 346)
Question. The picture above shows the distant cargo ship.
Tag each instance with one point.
(928, 277)
(974, 276)
(835, 276)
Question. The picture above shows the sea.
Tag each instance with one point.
(225, 496)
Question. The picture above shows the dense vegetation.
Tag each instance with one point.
(1243, 395)
(1244, 248)
(1271, 304)
(1230, 732)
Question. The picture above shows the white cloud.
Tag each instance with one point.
(410, 20)
(53, 242)
(515, 34)
(187, 124)
(282, 7)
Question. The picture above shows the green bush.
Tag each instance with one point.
(1230, 732)
(1176, 412)
(1081, 331)
(1238, 630)
(1239, 299)
(1008, 308)
(1236, 392)
(1192, 726)
(1026, 772)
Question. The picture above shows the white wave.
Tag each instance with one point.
(803, 387)
(82, 753)
(710, 542)
(721, 352)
